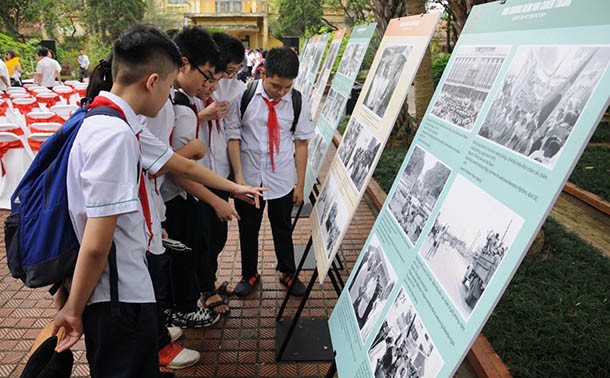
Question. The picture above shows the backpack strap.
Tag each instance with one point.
(182, 99)
(297, 101)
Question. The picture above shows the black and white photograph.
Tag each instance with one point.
(420, 185)
(348, 143)
(542, 97)
(360, 159)
(472, 74)
(334, 221)
(351, 59)
(371, 287)
(403, 348)
(470, 237)
(330, 56)
(386, 78)
(316, 152)
(333, 108)
(327, 196)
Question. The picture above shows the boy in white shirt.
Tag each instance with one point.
(264, 150)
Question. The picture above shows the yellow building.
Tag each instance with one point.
(246, 19)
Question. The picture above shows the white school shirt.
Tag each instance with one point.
(228, 89)
(155, 154)
(184, 130)
(216, 157)
(83, 61)
(47, 68)
(103, 178)
(254, 136)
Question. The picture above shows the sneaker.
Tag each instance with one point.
(202, 317)
(245, 287)
(298, 287)
(174, 356)
(175, 333)
(168, 317)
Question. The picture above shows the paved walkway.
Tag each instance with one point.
(241, 344)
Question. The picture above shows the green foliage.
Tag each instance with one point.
(297, 18)
(343, 124)
(388, 166)
(25, 51)
(438, 66)
(553, 321)
(592, 171)
(110, 17)
(602, 134)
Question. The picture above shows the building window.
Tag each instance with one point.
(226, 6)
(176, 1)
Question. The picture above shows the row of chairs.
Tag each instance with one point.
(28, 117)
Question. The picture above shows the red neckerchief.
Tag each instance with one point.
(274, 130)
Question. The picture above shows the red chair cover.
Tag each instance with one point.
(4, 147)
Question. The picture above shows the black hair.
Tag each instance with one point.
(282, 62)
(11, 52)
(43, 51)
(196, 44)
(141, 50)
(230, 47)
(100, 78)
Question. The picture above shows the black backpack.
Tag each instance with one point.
(246, 97)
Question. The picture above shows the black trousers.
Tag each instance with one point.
(121, 343)
(279, 213)
(183, 223)
(159, 269)
(213, 239)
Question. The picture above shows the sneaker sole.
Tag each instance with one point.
(197, 325)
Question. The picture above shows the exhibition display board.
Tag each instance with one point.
(525, 88)
(383, 94)
(334, 104)
(310, 64)
(329, 62)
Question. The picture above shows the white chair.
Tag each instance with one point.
(15, 160)
(25, 104)
(35, 140)
(11, 128)
(44, 127)
(64, 111)
(15, 90)
(14, 95)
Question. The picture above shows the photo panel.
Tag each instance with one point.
(467, 85)
(327, 196)
(371, 287)
(403, 348)
(334, 221)
(359, 155)
(351, 58)
(467, 242)
(316, 152)
(333, 108)
(420, 185)
(542, 97)
(386, 78)
(348, 143)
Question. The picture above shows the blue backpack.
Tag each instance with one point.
(41, 245)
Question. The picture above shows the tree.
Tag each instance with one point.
(110, 17)
(296, 18)
(17, 13)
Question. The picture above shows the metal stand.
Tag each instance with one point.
(332, 369)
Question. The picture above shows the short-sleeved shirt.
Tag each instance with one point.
(4, 72)
(184, 130)
(156, 152)
(103, 179)
(47, 68)
(211, 133)
(252, 131)
(83, 61)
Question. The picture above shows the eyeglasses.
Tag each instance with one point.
(209, 78)
(233, 71)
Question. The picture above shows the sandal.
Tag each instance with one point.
(214, 306)
(224, 289)
(245, 287)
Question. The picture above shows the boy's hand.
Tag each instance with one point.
(297, 196)
(216, 110)
(73, 326)
(224, 211)
(249, 194)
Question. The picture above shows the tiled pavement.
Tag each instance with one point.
(241, 344)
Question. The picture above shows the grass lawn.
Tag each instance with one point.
(554, 318)
(592, 171)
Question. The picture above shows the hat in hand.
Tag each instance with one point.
(45, 362)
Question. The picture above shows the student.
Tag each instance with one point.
(181, 196)
(117, 312)
(263, 150)
(83, 65)
(14, 68)
(213, 107)
(5, 81)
